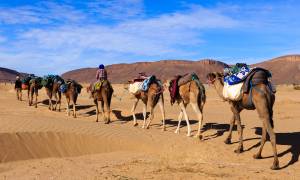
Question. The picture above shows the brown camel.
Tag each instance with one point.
(104, 95)
(34, 86)
(72, 89)
(262, 99)
(53, 90)
(151, 97)
(190, 93)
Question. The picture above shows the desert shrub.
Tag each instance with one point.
(296, 86)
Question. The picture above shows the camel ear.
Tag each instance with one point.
(166, 83)
(220, 74)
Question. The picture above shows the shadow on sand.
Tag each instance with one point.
(125, 119)
(291, 139)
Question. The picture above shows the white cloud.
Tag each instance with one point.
(45, 13)
(64, 47)
(117, 9)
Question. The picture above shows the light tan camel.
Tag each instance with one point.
(262, 99)
(150, 98)
(53, 90)
(71, 94)
(104, 95)
(194, 94)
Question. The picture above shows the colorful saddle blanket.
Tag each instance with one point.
(236, 74)
(144, 85)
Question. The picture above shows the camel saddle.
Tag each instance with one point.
(180, 80)
(257, 76)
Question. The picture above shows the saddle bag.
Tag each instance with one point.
(233, 92)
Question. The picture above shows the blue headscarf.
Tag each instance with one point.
(101, 66)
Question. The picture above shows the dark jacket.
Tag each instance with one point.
(18, 84)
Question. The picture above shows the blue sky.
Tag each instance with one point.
(45, 37)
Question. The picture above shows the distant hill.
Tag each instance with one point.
(165, 69)
(9, 75)
(285, 69)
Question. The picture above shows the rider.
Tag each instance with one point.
(18, 88)
(101, 73)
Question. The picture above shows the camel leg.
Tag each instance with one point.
(183, 108)
(162, 109)
(97, 110)
(266, 115)
(36, 97)
(151, 117)
(106, 108)
(56, 100)
(74, 110)
(263, 141)
(200, 119)
(232, 122)
(133, 112)
(28, 98)
(31, 97)
(68, 106)
(179, 122)
(240, 131)
(59, 100)
(144, 115)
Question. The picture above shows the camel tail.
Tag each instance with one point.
(202, 96)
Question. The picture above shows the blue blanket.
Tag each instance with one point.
(147, 82)
(237, 77)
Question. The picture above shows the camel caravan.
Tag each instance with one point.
(241, 86)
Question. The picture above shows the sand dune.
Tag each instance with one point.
(39, 144)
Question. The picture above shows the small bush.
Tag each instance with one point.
(296, 86)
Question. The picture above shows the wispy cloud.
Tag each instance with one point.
(43, 13)
(117, 9)
(162, 36)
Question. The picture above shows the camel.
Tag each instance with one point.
(104, 95)
(192, 93)
(52, 89)
(262, 99)
(151, 97)
(71, 94)
(34, 86)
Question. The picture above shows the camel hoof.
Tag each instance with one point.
(227, 141)
(257, 156)
(147, 127)
(275, 166)
(189, 135)
(177, 131)
(239, 150)
(163, 129)
(135, 124)
(96, 120)
(199, 136)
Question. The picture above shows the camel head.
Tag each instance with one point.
(212, 77)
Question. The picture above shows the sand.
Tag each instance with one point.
(40, 144)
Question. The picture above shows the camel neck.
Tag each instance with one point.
(219, 87)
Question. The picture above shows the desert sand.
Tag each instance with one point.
(40, 144)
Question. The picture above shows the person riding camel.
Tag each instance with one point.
(101, 73)
(18, 88)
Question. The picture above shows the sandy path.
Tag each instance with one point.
(39, 144)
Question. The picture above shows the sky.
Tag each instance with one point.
(52, 37)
